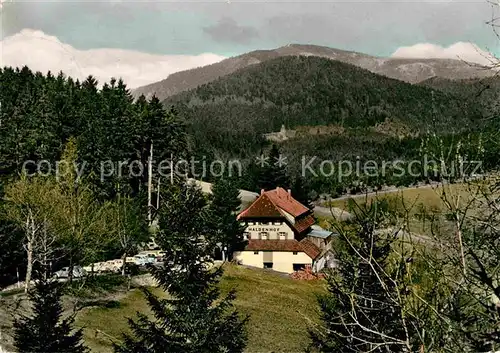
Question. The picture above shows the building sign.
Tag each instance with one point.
(263, 229)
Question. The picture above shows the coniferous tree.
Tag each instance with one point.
(271, 172)
(224, 206)
(11, 254)
(195, 319)
(302, 192)
(46, 330)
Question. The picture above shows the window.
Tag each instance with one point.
(250, 223)
(295, 253)
(282, 235)
(265, 223)
(263, 235)
(277, 223)
(268, 265)
(246, 235)
(298, 267)
(256, 253)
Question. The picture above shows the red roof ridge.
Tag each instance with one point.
(285, 201)
(261, 200)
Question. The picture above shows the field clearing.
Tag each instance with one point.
(422, 209)
(430, 197)
(279, 309)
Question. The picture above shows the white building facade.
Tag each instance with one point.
(277, 230)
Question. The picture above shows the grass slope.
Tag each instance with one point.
(425, 206)
(279, 311)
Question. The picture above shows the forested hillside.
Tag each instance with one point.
(338, 111)
(103, 139)
(485, 92)
(92, 210)
(404, 69)
(230, 114)
(41, 112)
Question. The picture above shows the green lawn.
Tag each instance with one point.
(279, 308)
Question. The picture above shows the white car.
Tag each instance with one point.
(78, 272)
(143, 259)
(114, 265)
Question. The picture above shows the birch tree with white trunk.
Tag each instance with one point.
(29, 203)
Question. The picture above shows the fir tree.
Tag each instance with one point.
(45, 330)
(194, 319)
(224, 206)
(302, 192)
(271, 172)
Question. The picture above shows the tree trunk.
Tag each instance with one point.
(124, 258)
(30, 232)
(29, 265)
(70, 270)
(45, 250)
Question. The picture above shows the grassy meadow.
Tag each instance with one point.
(280, 309)
(423, 209)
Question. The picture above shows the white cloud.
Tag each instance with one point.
(41, 52)
(461, 51)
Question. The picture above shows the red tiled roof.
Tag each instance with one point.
(274, 204)
(284, 245)
(270, 203)
(303, 223)
(281, 198)
(262, 207)
(310, 249)
(273, 245)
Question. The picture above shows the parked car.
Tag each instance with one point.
(78, 272)
(114, 265)
(143, 260)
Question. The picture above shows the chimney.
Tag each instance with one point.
(289, 193)
(262, 191)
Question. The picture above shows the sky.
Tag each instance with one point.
(144, 41)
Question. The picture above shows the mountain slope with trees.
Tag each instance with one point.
(230, 115)
(484, 91)
(409, 70)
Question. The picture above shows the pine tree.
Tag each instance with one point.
(302, 192)
(194, 319)
(46, 331)
(224, 206)
(271, 171)
(359, 313)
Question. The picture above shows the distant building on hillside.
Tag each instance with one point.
(281, 235)
(280, 136)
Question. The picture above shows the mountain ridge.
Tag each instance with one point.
(407, 70)
(233, 113)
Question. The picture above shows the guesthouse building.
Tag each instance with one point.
(281, 235)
